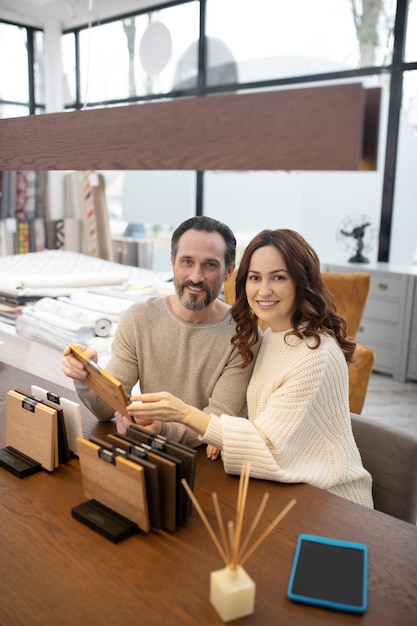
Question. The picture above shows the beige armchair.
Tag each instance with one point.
(350, 293)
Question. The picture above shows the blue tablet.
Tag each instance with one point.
(330, 573)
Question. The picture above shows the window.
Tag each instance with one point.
(69, 70)
(411, 35)
(14, 86)
(250, 44)
(139, 56)
(273, 39)
(39, 67)
(18, 45)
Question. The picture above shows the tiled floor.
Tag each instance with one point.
(392, 403)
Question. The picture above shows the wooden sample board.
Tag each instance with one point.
(120, 486)
(103, 383)
(32, 428)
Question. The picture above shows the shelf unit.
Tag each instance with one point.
(412, 356)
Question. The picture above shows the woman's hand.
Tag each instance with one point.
(212, 453)
(165, 407)
(123, 422)
(72, 367)
(162, 406)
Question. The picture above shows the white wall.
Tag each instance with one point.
(313, 203)
(404, 231)
(158, 197)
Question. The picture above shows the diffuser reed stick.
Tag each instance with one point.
(205, 520)
(253, 525)
(268, 531)
(221, 524)
(229, 548)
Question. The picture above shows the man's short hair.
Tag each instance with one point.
(208, 225)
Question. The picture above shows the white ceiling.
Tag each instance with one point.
(70, 13)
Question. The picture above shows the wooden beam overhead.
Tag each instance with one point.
(312, 128)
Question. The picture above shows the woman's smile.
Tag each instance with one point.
(267, 304)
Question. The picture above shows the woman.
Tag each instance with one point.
(298, 427)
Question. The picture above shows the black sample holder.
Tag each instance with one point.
(18, 463)
(105, 521)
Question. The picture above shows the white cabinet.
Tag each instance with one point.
(389, 323)
(412, 356)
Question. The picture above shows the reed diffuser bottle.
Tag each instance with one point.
(232, 590)
(232, 593)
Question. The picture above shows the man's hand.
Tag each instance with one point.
(72, 367)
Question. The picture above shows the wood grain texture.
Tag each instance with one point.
(104, 384)
(119, 486)
(320, 128)
(371, 133)
(32, 433)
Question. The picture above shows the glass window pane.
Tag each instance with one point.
(68, 68)
(11, 110)
(411, 37)
(104, 63)
(39, 67)
(14, 83)
(409, 104)
(276, 39)
(404, 229)
(125, 68)
(183, 24)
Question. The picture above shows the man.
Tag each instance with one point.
(180, 343)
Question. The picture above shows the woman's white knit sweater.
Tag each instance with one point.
(298, 428)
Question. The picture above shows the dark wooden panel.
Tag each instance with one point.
(318, 128)
(371, 130)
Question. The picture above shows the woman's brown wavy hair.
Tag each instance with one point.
(315, 310)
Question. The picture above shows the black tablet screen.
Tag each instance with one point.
(330, 574)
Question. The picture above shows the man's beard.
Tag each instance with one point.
(193, 303)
